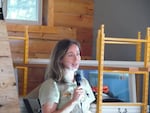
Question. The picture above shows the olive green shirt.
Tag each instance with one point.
(53, 92)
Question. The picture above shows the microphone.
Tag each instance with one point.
(1, 11)
(78, 79)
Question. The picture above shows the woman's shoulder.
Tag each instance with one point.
(49, 82)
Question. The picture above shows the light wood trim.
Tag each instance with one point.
(32, 28)
(50, 13)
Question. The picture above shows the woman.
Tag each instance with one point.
(60, 93)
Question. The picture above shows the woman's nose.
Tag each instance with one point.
(77, 57)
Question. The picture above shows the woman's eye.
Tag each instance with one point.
(70, 55)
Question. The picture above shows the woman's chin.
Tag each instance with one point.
(72, 69)
(75, 69)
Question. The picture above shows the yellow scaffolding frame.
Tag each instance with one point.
(101, 41)
(25, 59)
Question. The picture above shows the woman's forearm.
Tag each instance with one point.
(67, 108)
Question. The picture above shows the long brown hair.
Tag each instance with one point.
(55, 68)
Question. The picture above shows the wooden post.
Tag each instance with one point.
(50, 13)
(9, 102)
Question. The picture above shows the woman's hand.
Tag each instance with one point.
(78, 94)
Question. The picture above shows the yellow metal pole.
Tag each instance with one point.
(100, 70)
(26, 46)
(148, 34)
(145, 92)
(147, 47)
(124, 40)
(138, 58)
(17, 38)
(146, 75)
(138, 48)
(101, 41)
(26, 55)
(97, 45)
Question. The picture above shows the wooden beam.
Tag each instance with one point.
(50, 18)
(32, 28)
(9, 102)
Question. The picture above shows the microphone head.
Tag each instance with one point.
(78, 79)
(1, 14)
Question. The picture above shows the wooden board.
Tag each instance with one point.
(9, 102)
(4, 49)
(2, 31)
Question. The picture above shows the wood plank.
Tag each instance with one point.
(85, 37)
(40, 44)
(17, 48)
(32, 28)
(4, 49)
(2, 31)
(5, 66)
(50, 11)
(75, 13)
(9, 102)
(74, 20)
(75, 6)
(62, 32)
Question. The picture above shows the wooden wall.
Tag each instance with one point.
(70, 19)
(61, 19)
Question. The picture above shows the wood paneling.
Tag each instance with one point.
(72, 19)
(35, 77)
(74, 6)
(50, 13)
(40, 44)
(75, 20)
(61, 19)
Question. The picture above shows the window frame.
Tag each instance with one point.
(15, 21)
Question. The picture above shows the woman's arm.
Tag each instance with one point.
(67, 108)
(52, 108)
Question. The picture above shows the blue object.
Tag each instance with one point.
(118, 83)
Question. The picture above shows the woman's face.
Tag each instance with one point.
(71, 59)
